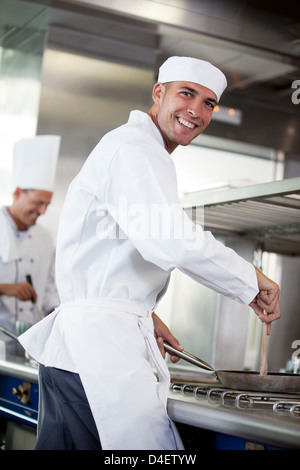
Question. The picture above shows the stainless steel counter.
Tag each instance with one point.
(257, 425)
(19, 368)
(262, 426)
(19, 396)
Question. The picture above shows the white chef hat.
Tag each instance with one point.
(189, 69)
(34, 163)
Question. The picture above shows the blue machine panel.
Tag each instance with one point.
(19, 400)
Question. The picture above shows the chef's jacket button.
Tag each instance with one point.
(31, 260)
(29, 236)
(20, 309)
(20, 259)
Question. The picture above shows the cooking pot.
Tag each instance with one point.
(244, 380)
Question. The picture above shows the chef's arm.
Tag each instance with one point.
(162, 232)
(162, 333)
(266, 303)
(21, 290)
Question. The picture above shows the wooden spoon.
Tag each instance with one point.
(263, 356)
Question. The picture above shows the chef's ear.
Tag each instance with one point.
(158, 92)
(17, 192)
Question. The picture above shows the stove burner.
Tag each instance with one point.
(280, 403)
(286, 405)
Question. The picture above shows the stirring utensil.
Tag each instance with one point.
(38, 314)
(263, 356)
(188, 357)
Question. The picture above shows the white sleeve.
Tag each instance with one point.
(142, 198)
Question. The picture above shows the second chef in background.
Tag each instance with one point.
(27, 285)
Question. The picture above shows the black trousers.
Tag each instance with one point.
(67, 422)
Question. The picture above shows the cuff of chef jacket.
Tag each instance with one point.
(248, 295)
(250, 292)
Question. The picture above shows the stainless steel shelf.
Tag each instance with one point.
(269, 213)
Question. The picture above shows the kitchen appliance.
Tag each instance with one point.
(237, 419)
(19, 392)
(19, 400)
(266, 212)
(264, 216)
(245, 404)
(248, 380)
(241, 399)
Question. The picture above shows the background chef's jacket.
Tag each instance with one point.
(21, 253)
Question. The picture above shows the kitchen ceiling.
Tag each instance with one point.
(256, 44)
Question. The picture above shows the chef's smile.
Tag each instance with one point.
(33, 216)
(186, 124)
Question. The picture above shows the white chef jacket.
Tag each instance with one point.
(113, 266)
(28, 252)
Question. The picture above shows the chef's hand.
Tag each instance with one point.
(21, 290)
(266, 303)
(162, 333)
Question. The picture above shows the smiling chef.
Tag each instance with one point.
(26, 248)
(104, 380)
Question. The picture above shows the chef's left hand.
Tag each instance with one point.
(162, 333)
(266, 303)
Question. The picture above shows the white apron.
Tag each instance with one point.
(108, 343)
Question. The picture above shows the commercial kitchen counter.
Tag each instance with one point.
(255, 424)
(19, 368)
(262, 426)
(19, 397)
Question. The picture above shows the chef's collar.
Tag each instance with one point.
(13, 223)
